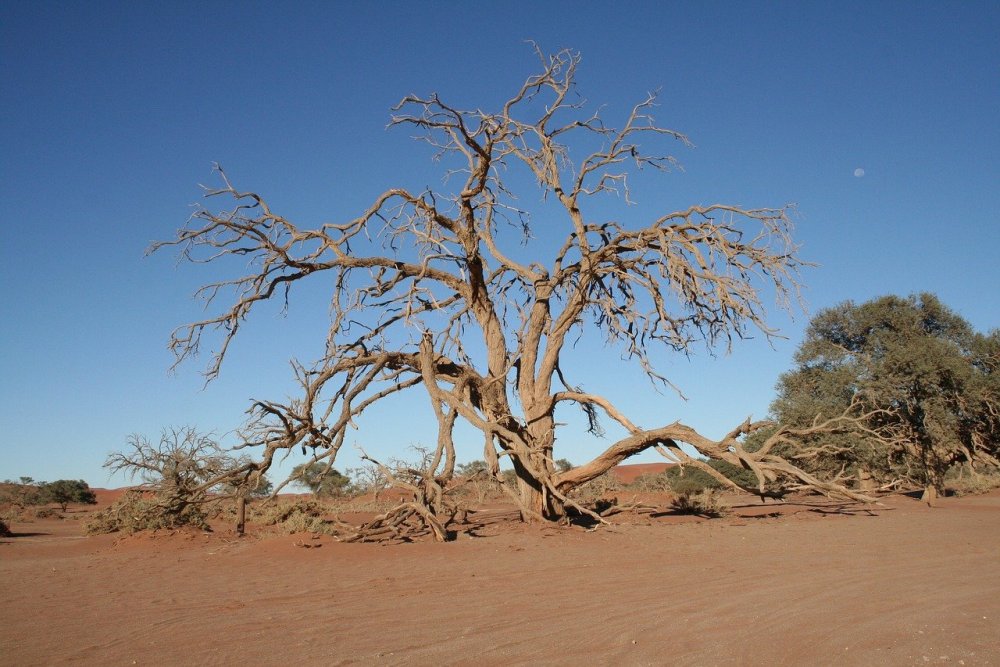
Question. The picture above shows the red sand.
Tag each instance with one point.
(791, 584)
(629, 473)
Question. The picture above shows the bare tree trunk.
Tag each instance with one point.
(530, 491)
(241, 515)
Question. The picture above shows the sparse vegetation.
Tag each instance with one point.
(705, 502)
(963, 480)
(22, 493)
(295, 517)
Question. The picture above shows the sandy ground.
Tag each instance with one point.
(792, 584)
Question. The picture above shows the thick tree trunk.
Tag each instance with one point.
(536, 499)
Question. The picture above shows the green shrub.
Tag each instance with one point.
(738, 474)
(690, 479)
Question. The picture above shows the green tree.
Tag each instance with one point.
(66, 491)
(934, 378)
(321, 479)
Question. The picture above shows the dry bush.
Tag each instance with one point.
(11, 514)
(964, 481)
(598, 488)
(651, 483)
(706, 502)
(4, 529)
(294, 517)
(136, 511)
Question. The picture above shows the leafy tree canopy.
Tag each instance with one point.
(66, 491)
(935, 378)
(321, 479)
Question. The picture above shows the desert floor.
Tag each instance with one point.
(801, 583)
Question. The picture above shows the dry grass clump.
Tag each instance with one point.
(706, 502)
(964, 481)
(136, 511)
(598, 488)
(302, 516)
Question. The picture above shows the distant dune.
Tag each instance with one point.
(627, 474)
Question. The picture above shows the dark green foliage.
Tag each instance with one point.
(321, 479)
(66, 491)
(935, 377)
(738, 474)
(691, 479)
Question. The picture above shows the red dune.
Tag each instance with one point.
(626, 474)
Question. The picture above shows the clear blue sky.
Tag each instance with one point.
(112, 113)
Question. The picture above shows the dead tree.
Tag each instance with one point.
(446, 293)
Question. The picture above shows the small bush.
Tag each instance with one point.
(11, 514)
(298, 517)
(964, 481)
(4, 529)
(651, 483)
(598, 487)
(707, 503)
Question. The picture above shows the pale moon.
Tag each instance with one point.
(859, 172)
